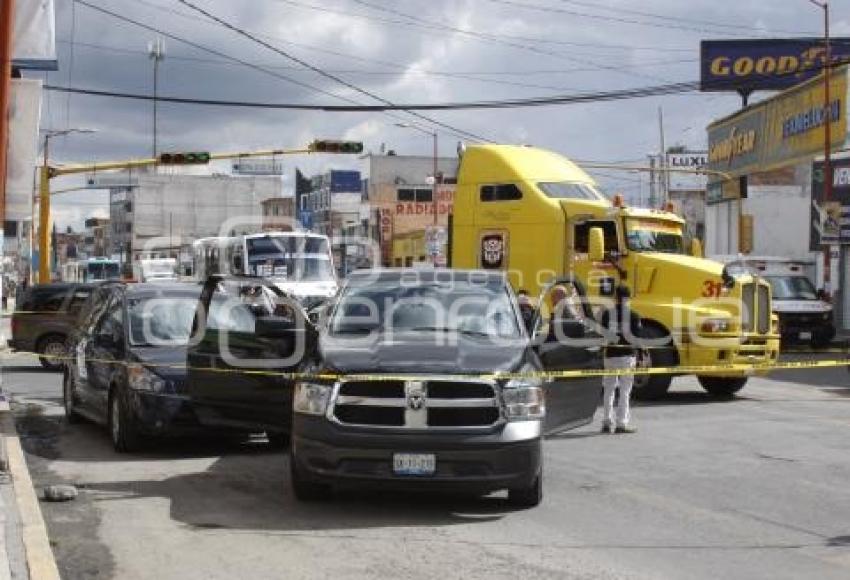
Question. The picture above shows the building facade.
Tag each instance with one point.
(278, 214)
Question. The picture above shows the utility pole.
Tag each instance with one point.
(156, 52)
(662, 181)
(7, 20)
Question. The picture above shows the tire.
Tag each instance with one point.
(527, 497)
(653, 387)
(123, 429)
(722, 387)
(822, 339)
(54, 346)
(278, 439)
(71, 414)
(304, 490)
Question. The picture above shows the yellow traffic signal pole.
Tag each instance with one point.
(48, 172)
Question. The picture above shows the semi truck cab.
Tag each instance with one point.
(537, 215)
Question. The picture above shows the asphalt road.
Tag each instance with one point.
(758, 487)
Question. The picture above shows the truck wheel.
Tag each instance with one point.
(53, 347)
(527, 497)
(651, 387)
(125, 433)
(306, 490)
(722, 387)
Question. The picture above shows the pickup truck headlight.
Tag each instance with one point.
(140, 378)
(524, 400)
(311, 398)
(712, 325)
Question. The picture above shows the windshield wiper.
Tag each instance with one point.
(447, 329)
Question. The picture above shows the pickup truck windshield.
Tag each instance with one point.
(457, 307)
(792, 288)
(290, 258)
(647, 235)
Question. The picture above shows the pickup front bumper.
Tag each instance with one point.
(508, 456)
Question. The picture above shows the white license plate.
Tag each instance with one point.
(414, 463)
(805, 336)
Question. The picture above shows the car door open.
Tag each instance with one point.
(565, 340)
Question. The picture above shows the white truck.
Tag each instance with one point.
(298, 263)
(804, 315)
(155, 270)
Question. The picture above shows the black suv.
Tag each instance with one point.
(44, 319)
(418, 402)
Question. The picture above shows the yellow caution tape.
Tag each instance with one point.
(737, 369)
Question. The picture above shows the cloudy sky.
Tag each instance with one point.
(403, 51)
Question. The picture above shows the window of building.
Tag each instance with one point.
(500, 192)
(415, 194)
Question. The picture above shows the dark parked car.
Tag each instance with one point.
(44, 319)
(128, 368)
(421, 415)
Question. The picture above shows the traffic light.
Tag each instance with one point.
(190, 158)
(334, 146)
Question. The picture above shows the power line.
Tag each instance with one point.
(320, 71)
(495, 39)
(621, 19)
(224, 55)
(590, 97)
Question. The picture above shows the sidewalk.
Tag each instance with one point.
(25, 552)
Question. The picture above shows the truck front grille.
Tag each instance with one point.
(748, 307)
(763, 308)
(416, 404)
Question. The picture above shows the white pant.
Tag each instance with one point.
(610, 386)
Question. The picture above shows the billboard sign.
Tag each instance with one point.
(345, 181)
(689, 163)
(24, 115)
(780, 131)
(830, 220)
(765, 64)
(35, 35)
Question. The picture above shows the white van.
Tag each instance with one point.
(155, 270)
(803, 315)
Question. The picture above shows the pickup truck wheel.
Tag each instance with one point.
(125, 433)
(527, 497)
(306, 490)
(68, 398)
(54, 349)
(652, 387)
(722, 387)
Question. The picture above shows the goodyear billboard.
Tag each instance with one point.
(785, 129)
(765, 64)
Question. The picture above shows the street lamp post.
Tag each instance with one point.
(156, 52)
(827, 137)
(44, 202)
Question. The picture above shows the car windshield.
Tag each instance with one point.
(792, 288)
(654, 236)
(570, 190)
(290, 258)
(459, 307)
(161, 320)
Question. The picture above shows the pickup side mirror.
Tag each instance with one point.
(596, 245)
(274, 327)
(696, 248)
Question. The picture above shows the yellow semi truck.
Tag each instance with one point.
(536, 215)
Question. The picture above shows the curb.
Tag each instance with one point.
(41, 564)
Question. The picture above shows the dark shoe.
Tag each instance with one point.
(626, 429)
(606, 428)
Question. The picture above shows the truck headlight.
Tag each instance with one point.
(140, 378)
(524, 400)
(712, 325)
(311, 398)
(827, 316)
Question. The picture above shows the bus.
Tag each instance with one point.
(299, 263)
(91, 270)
